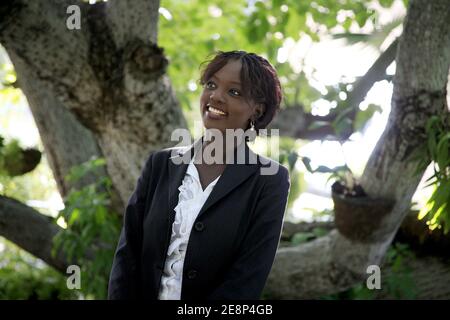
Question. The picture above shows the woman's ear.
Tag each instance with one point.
(259, 111)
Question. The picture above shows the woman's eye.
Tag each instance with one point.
(209, 84)
(212, 85)
(235, 92)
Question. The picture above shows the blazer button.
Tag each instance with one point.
(199, 226)
(192, 274)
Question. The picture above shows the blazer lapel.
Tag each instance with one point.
(178, 165)
(176, 174)
(233, 175)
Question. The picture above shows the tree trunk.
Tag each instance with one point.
(335, 262)
(98, 91)
(67, 143)
(110, 75)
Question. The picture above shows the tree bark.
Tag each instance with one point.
(335, 262)
(31, 231)
(412, 231)
(67, 143)
(289, 228)
(110, 75)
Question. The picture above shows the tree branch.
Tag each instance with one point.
(289, 228)
(293, 122)
(30, 230)
(412, 231)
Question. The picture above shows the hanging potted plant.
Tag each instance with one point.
(357, 216)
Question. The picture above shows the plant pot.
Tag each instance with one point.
(360, 218)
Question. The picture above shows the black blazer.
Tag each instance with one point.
(233, 241)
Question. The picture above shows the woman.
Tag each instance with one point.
(202, 229)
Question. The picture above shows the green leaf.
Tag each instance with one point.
(74, 216)
(318, 124)
(347, 24)
(301, 237)
(363, 116)
(292, 159)
(361, 18)
(324, 169)
(320, 232)
(100, 215)
(342, 126)
(277, 3)
(386, 3)
(442, 152)
(307, 163)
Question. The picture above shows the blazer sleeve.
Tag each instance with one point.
(248, 273)
(124, 278)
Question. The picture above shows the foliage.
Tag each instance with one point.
(286, 158)
(398, 283)
(261, 27)
(374, 39)
(15, 161)
(303, 237)
(21, 275)
(9, 153)
(437, 150)
(92, 229)
(8, 91)
(26, 278)
(363, 116)
(215, 26)
(37, 185)
(342, 173)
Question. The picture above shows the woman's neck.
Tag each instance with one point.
(219, 151)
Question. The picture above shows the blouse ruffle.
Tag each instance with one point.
(190, 201)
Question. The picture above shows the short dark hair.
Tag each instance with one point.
(259, 80)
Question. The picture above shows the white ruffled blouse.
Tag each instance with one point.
(190, 201)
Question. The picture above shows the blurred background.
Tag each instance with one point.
(74, 102)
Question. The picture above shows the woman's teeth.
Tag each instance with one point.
(216, 111)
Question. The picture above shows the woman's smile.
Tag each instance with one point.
(215, 113)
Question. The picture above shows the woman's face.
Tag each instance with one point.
(222, 103)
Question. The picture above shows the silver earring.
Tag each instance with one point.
(252, 125)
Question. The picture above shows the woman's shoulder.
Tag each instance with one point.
(272, 168)
(269, 169)
(160, 156)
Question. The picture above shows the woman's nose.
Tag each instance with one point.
(216, 96)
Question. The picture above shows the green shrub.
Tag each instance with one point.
(92, 230)
(24, 277)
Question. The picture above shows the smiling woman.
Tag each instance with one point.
(241, 89)
(216, 236)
